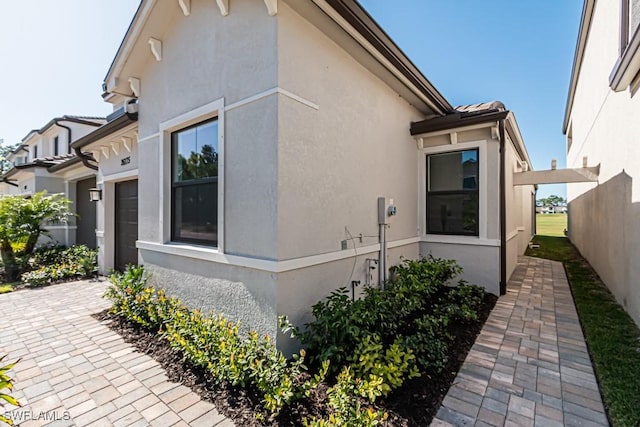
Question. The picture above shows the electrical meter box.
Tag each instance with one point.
(386, 210)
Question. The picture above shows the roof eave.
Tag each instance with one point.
(126, 45)
(350, 10)
(453, 121)
(113, 126)
(356, 16)
(583, 33)
(54, 121)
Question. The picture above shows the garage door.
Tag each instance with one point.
(126, 224)
(86, 210)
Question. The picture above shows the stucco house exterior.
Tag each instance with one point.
(601, 124)
(264, 153)
(44, 160)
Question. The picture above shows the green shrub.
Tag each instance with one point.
(394, 332)
(47, 255)
(53, 263)
(393, 365)
(344, 399)
(6, 383)
(212, 342)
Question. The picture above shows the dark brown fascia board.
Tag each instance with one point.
(583, 34)
(60, 119)
(360, 19)
(68, 163)
(457, 120)
(113, 126)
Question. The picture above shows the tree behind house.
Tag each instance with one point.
(553, 200)
(5, 151)
(22, 222)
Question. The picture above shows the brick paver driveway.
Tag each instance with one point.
(529, 366)
(76, 371)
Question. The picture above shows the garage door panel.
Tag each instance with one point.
(126, 224)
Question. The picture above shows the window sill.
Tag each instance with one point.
(459, 240)
(626, 68)
(204, 253)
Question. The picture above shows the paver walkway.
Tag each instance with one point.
(76, 371)
(529, 366)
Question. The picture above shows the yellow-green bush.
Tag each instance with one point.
(211, 342)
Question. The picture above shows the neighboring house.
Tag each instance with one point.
(45, 161)
(266, 134)
(602, 123)
(550, 209)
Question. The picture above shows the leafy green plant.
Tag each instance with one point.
(345, 400)
(393, 365)
(22, 221)
(212, 342)
(411, 316)
(6, 383)
(52, 264)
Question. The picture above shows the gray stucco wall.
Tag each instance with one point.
(251, 180)
(234, 58)
(481, 264)
(299, 289)
(230, 56)
(335, 161)
(241, 294)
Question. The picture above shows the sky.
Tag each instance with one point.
(55, 54)
(518, 52)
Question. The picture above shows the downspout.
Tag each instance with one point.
(83, 157)
(57, 122)
(503, 211)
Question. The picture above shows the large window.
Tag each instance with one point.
(626, 71)
(452, 193)
(194, 184)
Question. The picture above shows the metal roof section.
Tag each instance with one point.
(464, 115)
(484, 106)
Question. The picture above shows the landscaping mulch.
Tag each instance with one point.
(414, 404)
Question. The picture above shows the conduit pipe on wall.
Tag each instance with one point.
(382, 260)
(503, 210)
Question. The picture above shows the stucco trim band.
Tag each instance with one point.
(120, 176)
(272, 266)
(459, 240)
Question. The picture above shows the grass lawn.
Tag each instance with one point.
(612, 336)
(551, 224)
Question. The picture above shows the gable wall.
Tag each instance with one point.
(207, 57)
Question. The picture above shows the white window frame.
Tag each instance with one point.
(481, 238)
(166, 128)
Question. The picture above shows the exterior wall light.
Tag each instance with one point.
(95, 194)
